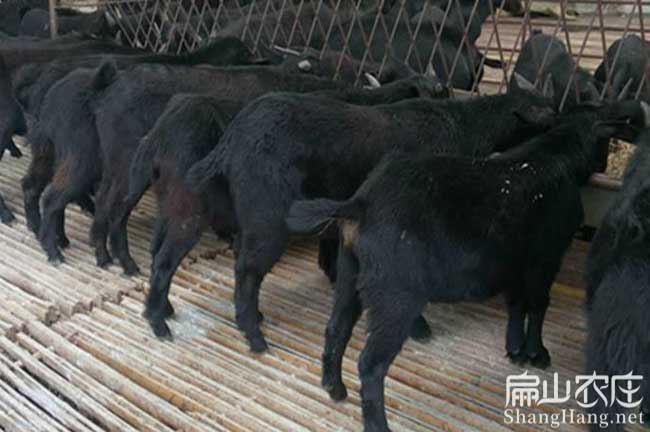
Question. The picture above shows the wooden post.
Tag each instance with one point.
(53, 20)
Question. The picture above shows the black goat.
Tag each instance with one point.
(66, 150)
(59, 164)
(36, 22)
(403, 244)
(283, 147)
(618, 287)
(155, 161)
(186, 132)
(626, 60)
(544, 55)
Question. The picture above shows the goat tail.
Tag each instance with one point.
(141, 170)
(200, 174)
(309, 216)
(39, 142)
(105, 75)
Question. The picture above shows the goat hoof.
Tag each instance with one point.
(7, 218)
(130, 268)
(257, 343)
(517, 357)
(104, 261)
(540, 360)
(34, 227)
(15, 152)
(56, 259)
(420, 330)
(87, 206)
(337, 391)
(63, 242)
(161, 329)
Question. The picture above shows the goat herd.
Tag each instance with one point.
(415, 198)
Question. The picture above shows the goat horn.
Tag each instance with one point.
(430, 72)
(548, 91)
(523, 83)
(622, 95)
(646, 111)
(285, 50)
(374, 82)
(109, 18)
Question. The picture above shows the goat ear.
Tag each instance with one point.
(374, 82)
(548, 90)
(623, 94)
(522, 83)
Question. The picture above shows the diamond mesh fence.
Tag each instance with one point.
(590, 48)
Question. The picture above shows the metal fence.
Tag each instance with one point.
(461, 39)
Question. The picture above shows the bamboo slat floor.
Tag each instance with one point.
(76, 355)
